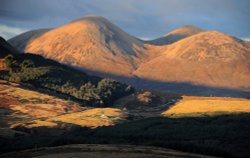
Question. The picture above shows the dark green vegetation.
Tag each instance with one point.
(225, 135)
(48, 74)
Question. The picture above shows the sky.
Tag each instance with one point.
(146, 19)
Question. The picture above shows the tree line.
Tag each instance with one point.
(37, 71)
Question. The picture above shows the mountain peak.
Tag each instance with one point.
(91, 18)
(176, 35)
(185, 30)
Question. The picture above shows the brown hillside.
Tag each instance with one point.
(209, 58)
(91, 43)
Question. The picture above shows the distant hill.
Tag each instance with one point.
(6, 48)
(208, 58)
(176, 35)
(26, 38)
(186, 60)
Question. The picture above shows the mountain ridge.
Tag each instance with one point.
(199, 57)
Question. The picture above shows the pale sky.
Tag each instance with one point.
(147, 19)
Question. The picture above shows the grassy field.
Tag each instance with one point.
(24, 105)
(31, 109)
(191, 105)
(207, 125)
(91, 118)
(34, 109)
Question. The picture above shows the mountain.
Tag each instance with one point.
(208, 58)
(188, 58)
(90, 42)
(177, 34)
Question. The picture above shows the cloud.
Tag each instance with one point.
(7, 32)
(145, 38)
(246, 39)
(147, 18)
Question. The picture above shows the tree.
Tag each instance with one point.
(9, 60)
(88, 91)
(109, 90)
(26, 64)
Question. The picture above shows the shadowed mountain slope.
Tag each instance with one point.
(6, 48)
(26, 38)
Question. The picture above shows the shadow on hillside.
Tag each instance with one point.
(30, 35)
(224, 135)
(176, 87)
(169, 39)
(185, 88)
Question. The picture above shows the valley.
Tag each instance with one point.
(143, 118)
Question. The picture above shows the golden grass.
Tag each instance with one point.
(39, 110)
(39, 123)
(27, 105)
(35, 101)
(28, 94)
(93, 117)
(35, 109)
(16, 91)
(191, 105)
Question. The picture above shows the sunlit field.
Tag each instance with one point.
(189, 105)
(89, 118)
(33, 109)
